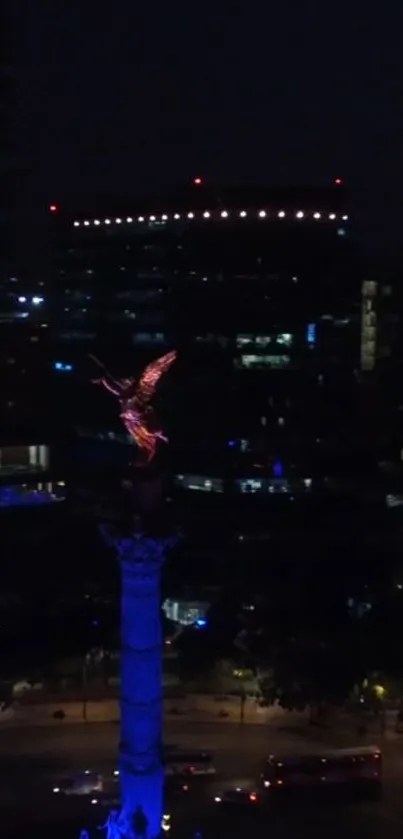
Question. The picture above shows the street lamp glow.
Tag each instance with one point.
(206, 214)
(262, 214)
(300, 214)
(281, 214)
(224, 214)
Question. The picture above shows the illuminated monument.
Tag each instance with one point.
(141, 557)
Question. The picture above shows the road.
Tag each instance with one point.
(31, 761)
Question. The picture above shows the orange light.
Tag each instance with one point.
(280, 783)
(197, 181)
(53, 208)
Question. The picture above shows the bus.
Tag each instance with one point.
(358, 769)
(189, 764)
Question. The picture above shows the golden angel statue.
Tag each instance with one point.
(135, 397)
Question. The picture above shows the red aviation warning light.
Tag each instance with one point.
(197, 181)
(338, 181)
(53, 208)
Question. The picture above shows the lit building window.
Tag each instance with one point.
(284, 339)
(250, 485)
(61, 367)
(185, 612)
(200, 483)
(311, 333)
(260, 362)
(149, 338)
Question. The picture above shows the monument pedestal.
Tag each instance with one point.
(140, 755)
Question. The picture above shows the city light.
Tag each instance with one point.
(53, 208)
(22, 299)
(207, 214)
(197, 181)
(37, 300)
(338, 181)
(61, 367)
(201, 622)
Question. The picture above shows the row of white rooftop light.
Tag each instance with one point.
(300, 214)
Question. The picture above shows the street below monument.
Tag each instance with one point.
(32, 760)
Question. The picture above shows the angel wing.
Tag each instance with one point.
(151, 376)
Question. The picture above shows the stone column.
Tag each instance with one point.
(140, 753)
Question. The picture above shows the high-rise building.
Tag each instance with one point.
(259, 290)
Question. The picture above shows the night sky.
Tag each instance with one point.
(134, 97)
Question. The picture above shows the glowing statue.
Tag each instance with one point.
(134, 397)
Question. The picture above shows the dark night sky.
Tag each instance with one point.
(134, 97)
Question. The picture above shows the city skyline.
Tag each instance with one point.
(151, 100)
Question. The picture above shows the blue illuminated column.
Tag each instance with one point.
(140, 754)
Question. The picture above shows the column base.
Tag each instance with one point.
(144, 792)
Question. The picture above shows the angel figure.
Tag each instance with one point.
(135, 397)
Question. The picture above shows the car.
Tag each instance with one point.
(190, 764)
(84, 783)
(238, 796)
